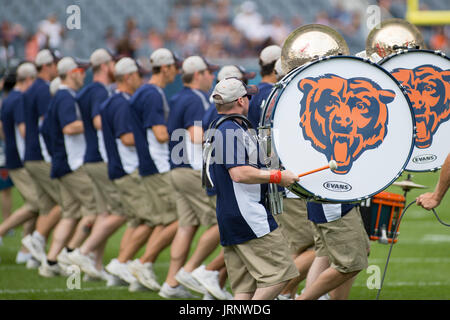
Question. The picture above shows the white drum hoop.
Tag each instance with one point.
(267, 123)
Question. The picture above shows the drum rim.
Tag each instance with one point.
(412, 50)
(314, 196)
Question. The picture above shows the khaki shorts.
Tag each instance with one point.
(46, 187)
(295, 226)
(106, 194)
(136, 200)
(27, 188)
(162, 196)
(194, 206)
(259, 263)
(77, 195)
(344, 241)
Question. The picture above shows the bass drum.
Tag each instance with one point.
(425, 75)
(344, 109)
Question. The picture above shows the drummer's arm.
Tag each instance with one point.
(252, 175)
(432, 200)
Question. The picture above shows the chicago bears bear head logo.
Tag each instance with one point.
(428, 89)
(343, 118)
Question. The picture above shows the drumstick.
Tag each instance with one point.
(332, 165)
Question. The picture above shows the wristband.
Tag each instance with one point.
(275, 176)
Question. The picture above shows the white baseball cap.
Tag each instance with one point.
(279, 69)
(163, 57)
(26, 70)
(197, 63)
(232, 71)
(125, 66)
(231, 89)
(99, 57)
(270, 54)
(54, 85)
(44, 57)
(65, 65)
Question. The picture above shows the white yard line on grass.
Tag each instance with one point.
(58, 290)
(409, 284)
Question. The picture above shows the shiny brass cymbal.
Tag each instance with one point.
(391, 34)
(310, 42)
(408, 185)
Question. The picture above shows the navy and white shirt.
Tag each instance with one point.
(12, 114)
(254, 110)
(187, 108)
(37, 102)
(241, 211)
(89, 99)
(327, 212)
(115, 114)
(149, 107)
(67, 150)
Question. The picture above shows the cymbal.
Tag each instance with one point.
(406, 184)
(309, 42)
(391, 33)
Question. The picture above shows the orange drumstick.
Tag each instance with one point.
(332, 165)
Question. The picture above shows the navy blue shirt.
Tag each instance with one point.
(67, 151)
(327, 212)
(241, 212)
(115, 122)
(37, 101)
(186, 108)
(149, 108)
(254, 110)
(89, 99)
(12, 115)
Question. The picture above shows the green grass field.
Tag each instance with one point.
(419, 268)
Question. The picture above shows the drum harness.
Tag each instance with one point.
(395, 235)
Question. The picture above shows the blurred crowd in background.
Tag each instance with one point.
(216, 29)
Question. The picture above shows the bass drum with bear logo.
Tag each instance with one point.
(425, 75)
(345, 109)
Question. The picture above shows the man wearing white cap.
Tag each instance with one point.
(75, 187)
(110, 212)
(267, 60)
(150, 110)
(257, 259)
(123, 166)
(194, 207)
(13, 123)
(37, 157)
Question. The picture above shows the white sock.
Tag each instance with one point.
(38, 237)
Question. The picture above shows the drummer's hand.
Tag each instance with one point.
(288, 178)
(427, 201)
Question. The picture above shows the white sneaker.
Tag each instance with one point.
(23, 257)
(326, 296)
(208, 296)
(209, 280)
(121, 270)
(228, 295)
(112, 280)
(179, 292)
(36, 248)
(136, 287)
(86, 264)
(144, 274)
(49, 271)
(187, 280)
(286, 296)
(33, 263)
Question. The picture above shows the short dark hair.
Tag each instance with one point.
(266, 69)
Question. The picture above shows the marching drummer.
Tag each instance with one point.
(258, 261)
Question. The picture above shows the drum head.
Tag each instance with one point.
(426, 78)
(348, 110)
